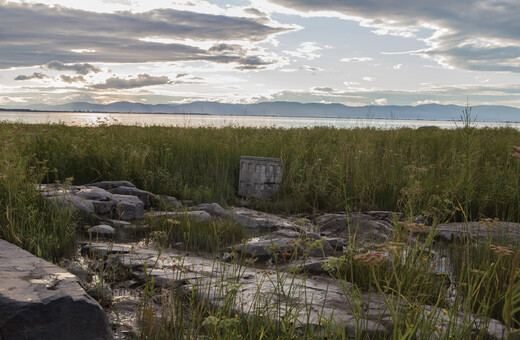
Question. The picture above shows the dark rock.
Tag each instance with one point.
(216, 210)
(112, 184)
(364, 227)
(102, 230)
(102, 293)
(187, 203)
(128, 207)
(169, 201)
(103, 250)
(103, 207)
(324, 250)
(146, 197)
(213, 209)
(314, 268)
(388, 216)
(119, 223)
(39, 300)
(83, 274)
(82, 206)
(263, 250)
(335, 242)
(93, 193)
(287, 233)
(195, 215)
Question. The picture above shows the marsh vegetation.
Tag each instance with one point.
(462, 175)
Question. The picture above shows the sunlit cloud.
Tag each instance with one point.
(141, 80)
(381, 101)
(307, 50)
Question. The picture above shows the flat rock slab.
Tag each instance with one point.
(199, 216)
(268, 293)
(478, 231)
(39, 300)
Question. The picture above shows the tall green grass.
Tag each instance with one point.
(432, 172)
(25, 219)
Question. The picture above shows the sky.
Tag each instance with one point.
(353, 52)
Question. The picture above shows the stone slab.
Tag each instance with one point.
(39, 300)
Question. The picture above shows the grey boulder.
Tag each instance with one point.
(102, 230)
(39, 300)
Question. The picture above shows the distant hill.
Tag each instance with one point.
(293, 109)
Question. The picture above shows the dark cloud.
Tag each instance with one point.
(476, 35)
(142, 80)
(226, 48)
(252, 63)
(254, 11)
(180, 75)
(35, 75)
(36, 34)
(70, 80)
(82, 69)
(323, 89)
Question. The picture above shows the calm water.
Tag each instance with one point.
(191, 120)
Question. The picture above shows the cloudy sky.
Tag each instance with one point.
(355, 52)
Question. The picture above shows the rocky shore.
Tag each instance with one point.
(282, 266)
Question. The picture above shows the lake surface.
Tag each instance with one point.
(192, 120)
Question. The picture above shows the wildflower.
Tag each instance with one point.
(501, 250)
(445, 312)
(371, 258)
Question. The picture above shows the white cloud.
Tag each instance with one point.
(351, 83)
(310, 68)
(368, 79)
(307, 50)
(398, 66)
(427, 101)
(381, 101)
(9, 100)
(356, 60)
(83, 50)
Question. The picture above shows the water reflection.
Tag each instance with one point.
(192, 120)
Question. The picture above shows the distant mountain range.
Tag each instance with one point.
(293, 109)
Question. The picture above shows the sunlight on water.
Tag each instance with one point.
(192, 120)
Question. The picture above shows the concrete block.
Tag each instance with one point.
(260, 177)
